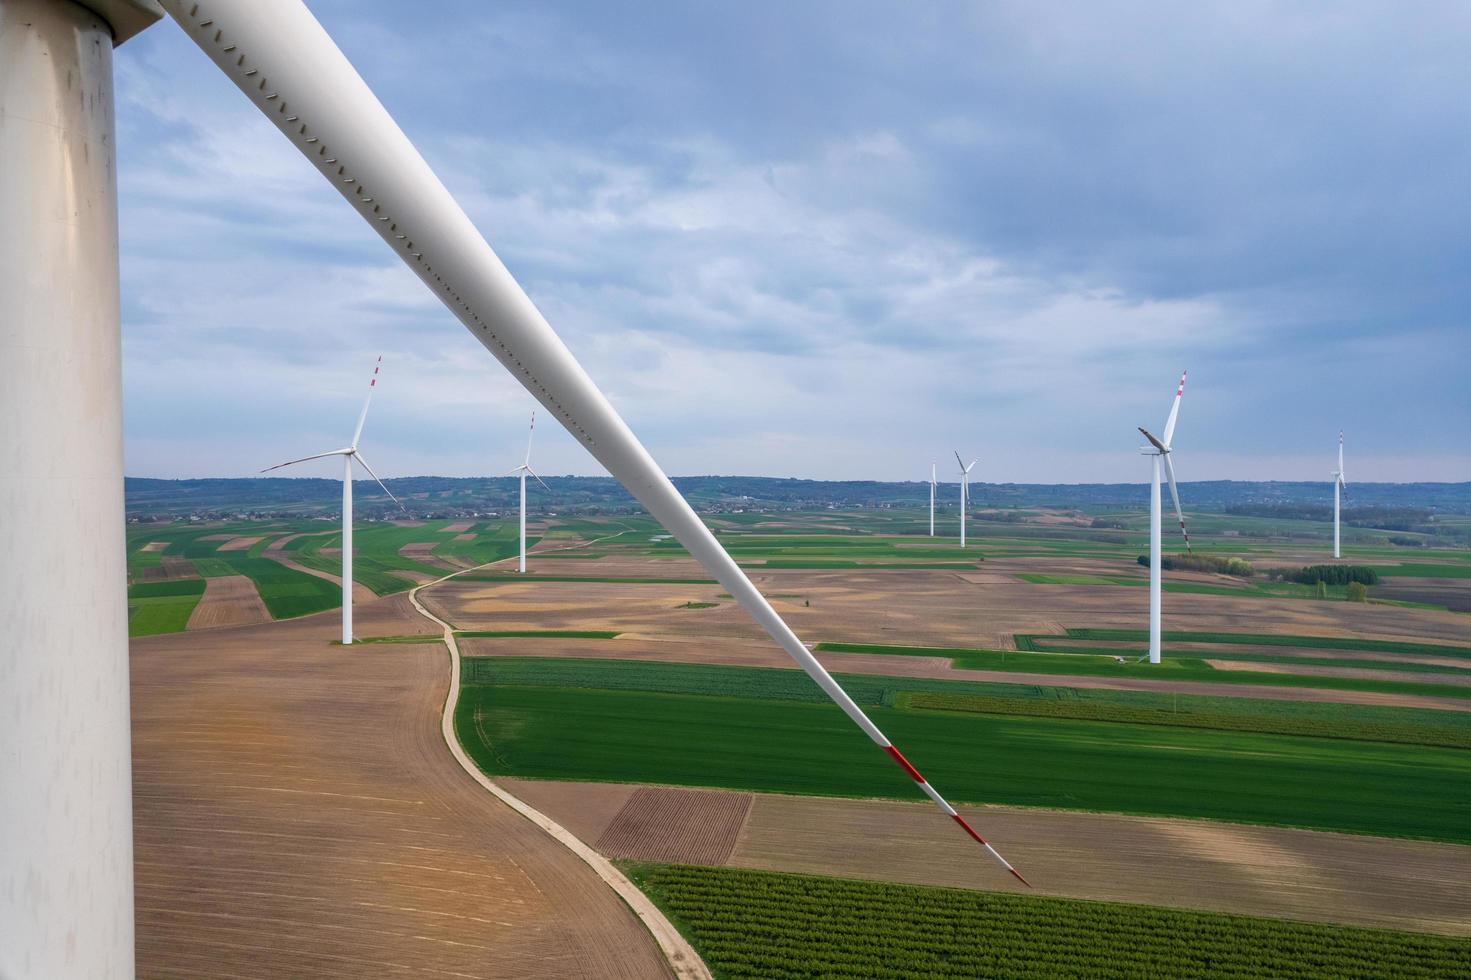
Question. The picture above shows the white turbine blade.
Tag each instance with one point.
(539, 479)
(1152, 440)
(293, 462)
(363, 415)
(1175, 495)
(1174, 410)
(285, 63)
(972, 465)
(364, 462)
(1341, 479)
(933, 482)
(529, 433)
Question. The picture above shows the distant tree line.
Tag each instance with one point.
(1383, 518)
(1326, 574)
(1239, 567)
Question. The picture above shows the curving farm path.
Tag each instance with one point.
(297, 813)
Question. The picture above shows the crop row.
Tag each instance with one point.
(765, 924)
(1267, 724)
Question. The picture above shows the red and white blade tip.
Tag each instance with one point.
(1181, 390)
(378, 364)
(914, 774)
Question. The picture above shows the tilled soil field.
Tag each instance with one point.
(228, 600)
(297, 814)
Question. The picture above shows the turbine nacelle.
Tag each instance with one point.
(1155, 448)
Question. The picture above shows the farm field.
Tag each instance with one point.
(620, 690)
(293, 566)
(297, 814)
(1345, 879)
(780, 745)
(760, 924)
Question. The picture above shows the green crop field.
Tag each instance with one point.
(162, 607)
(1034, 641)
(768, 925)
(1181, 667)
(532, 576)
(1267, 723)
(542, 634)
(748, 740)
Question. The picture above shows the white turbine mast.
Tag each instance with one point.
(349, 453)
(964, 491)
(522, 470)
(1340, 488)
(1160, 450)
(933, 485)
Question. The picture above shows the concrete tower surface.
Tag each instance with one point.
(66, 847)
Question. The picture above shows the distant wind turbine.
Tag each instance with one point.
(964, 492)
(523, 469)
(932, 499)
(348, 454)
(1340, 486)
(1160, 449)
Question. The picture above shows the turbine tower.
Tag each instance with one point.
(348, 453)
(65, 803)
(1160, 450)
(964, 492)
(1340, 486)
(932, 499)
(66, 814)
(523, 469)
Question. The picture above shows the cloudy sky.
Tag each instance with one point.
(834, 239)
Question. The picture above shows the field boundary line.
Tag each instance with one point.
(681, 956)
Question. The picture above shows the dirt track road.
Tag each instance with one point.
(297, 814)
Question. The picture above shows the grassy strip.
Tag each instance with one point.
(1266, 639)
(769, 744)
(162, 607)
(1181, 668)
(1231, 722)
(169, 587)
(818, 563)
(541, 634)
(412, 638)
(775, 926)
(533, 577)
(1424, 570)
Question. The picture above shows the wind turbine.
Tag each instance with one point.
(932, 499)
(1340, 485)
(964, 492)
(349, 453)
(1160, 450)
(66, 878)
(523, 469)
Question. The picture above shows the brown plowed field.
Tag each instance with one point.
(464, 537)
(1453, 593)
(1264, 871)
(676, 826)
(1455, 679)
(458, 527)
(927, 607)
(297, 815)
(169, 567)
(228, 600)
(154, 546)
(242, 543)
